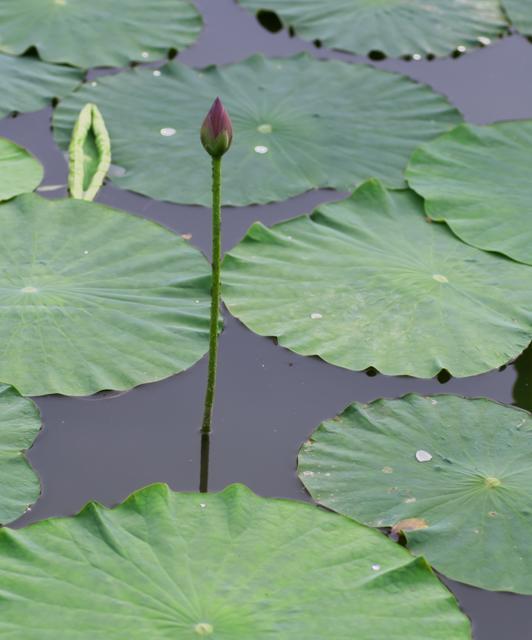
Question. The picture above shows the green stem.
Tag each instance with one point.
(215, 292)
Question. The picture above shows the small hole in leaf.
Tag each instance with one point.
(377, 55)
(270, 21)
(317, 43)
(172, 53)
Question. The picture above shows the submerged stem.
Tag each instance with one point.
(204, 462)
(215, 292)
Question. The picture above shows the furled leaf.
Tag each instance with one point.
(452, 474)
(93, 298)
(299, 124)
(20, 423)
(97, 32)
(229, 565)
(30, 85)
(369, 282)
(89, 154)
(20, 172)
(394, 27)
(477, 180)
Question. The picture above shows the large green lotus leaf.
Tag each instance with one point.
(369, 282)
(20, 172)
(20, 423)
(452, 474)
(29, 85)
(92, 298)
(97, 32)
(520, 14)
(477, 180)
(394, 27)
(299, 124)
(228, 565)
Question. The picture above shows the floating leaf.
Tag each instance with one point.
(20, 423)
(93, 298)
(30, 85)
(468, 510)
(477, 180)
(520, 14)
(369, 282)
(231, 565)
(99, 32)
(299, 124)
(393, 27)
(20, 172)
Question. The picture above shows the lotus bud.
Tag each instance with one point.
(217, 130)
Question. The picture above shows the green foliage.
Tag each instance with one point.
(30, 85)
(93, 298)
(369, 282)
(477, 180)
(89, 154)
(97, 32)
(394, 27)
(20, 423)
(299, 124)
(520, 15)
(20, 172)
(453, 474)
(230, 565)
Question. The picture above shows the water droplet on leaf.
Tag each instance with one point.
(423, 456)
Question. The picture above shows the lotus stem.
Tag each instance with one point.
(215, 292)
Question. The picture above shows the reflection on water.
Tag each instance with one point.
(523, 385)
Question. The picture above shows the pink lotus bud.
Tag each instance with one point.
(217, 130)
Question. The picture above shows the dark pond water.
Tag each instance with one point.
(269, 400)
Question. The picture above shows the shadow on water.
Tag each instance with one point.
(523, 384)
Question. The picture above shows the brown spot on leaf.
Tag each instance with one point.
(410, 524)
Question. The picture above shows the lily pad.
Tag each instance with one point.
(369, 282)
(20, 172)
(228, 565)
(299, 124)
(394, 27)
(99, 32)
(20, 423)
(520, 14)
(452, 474)
(30, 85)
(93, 298)
(477, 180)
